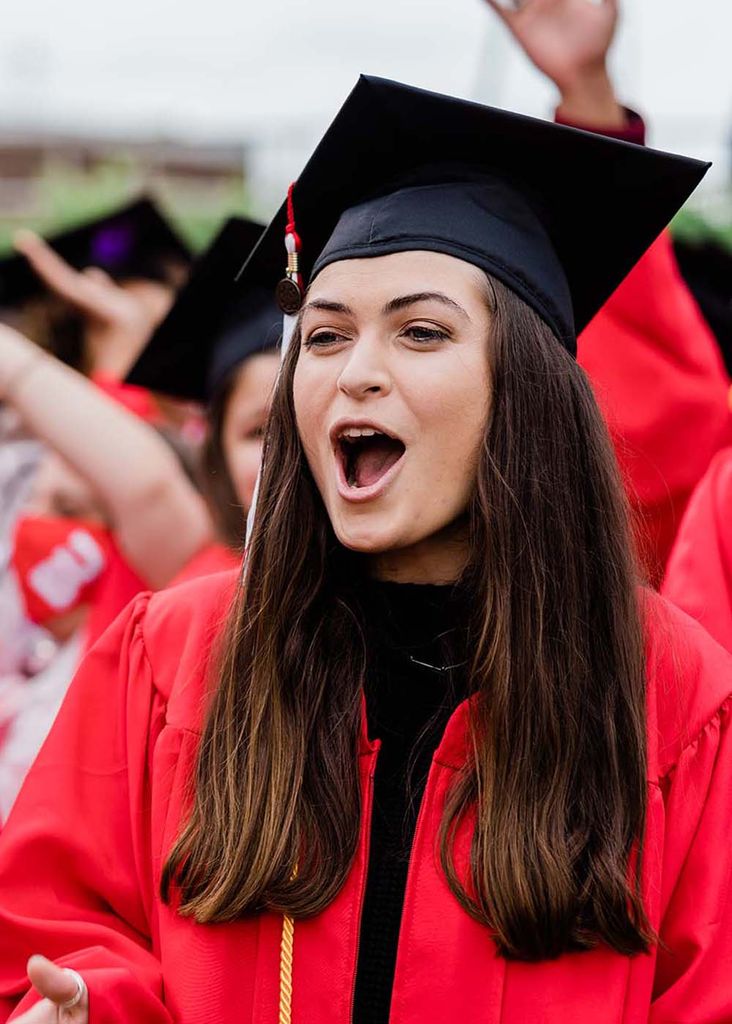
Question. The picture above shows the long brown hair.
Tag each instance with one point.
(556, 769)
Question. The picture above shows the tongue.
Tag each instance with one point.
(375, 458)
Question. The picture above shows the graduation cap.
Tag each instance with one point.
(213, 325)
(557, 214)
(134, 241)
(707, 268)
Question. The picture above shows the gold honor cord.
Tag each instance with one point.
(287, 952)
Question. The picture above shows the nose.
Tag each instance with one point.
(366, 371)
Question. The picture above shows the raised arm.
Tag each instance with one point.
(569, 41)
(159, 519)
(117, 320)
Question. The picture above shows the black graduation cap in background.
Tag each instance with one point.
(558, 214)
(132, 241)
(213, 325)
(707, 268)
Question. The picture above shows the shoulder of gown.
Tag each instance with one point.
(689, 679)
(699, 572)
(179, 631)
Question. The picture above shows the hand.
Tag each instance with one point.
(569, 41)
(119, 320)
(57, 986)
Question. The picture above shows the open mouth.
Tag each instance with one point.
(366, 455)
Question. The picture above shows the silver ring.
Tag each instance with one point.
(80, 990)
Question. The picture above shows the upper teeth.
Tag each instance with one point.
(352, 432)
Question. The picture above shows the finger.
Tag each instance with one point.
(43, 1012)
(505, 9)
(51, 981)
(98, 275)
(60, 277)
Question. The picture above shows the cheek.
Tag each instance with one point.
(243, 459)
(310, 392)
(455, 409)
(452, 424)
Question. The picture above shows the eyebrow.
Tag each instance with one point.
(402, 301)
(328, 307)
(393, 306)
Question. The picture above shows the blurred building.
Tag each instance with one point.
(50, 179)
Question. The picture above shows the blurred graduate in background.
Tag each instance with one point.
(649, 352)
(82, 535)
(218, 348)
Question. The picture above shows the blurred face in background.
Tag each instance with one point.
(59, 491)
(244, 420)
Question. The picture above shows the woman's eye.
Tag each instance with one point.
(323, 339)
(426, 335)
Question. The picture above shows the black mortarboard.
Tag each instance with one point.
(134, 241)
(557, 214)
(707, 269)
(213, 325)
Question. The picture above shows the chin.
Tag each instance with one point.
(370, 538)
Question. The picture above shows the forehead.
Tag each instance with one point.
(376, 280)
(253, 385)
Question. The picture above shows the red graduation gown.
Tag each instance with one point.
(661, 384)
(81, 855)
(699, 574)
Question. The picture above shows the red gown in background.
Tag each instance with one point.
(82, 852)
(663, 389)
(699, 574)
(661, 383)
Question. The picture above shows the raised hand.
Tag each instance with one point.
(120, 319)
(569, 41)
(59, 987)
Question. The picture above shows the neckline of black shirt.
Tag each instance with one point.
(408, 627)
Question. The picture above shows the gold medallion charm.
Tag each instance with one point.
(289, 295)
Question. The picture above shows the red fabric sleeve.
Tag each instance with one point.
(75, 862)
(699, 573)
(694, 967)
(634, 130)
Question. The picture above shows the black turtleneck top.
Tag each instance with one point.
(416, 677)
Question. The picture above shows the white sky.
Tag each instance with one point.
(275, 71)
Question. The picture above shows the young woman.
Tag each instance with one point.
(448, 761)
